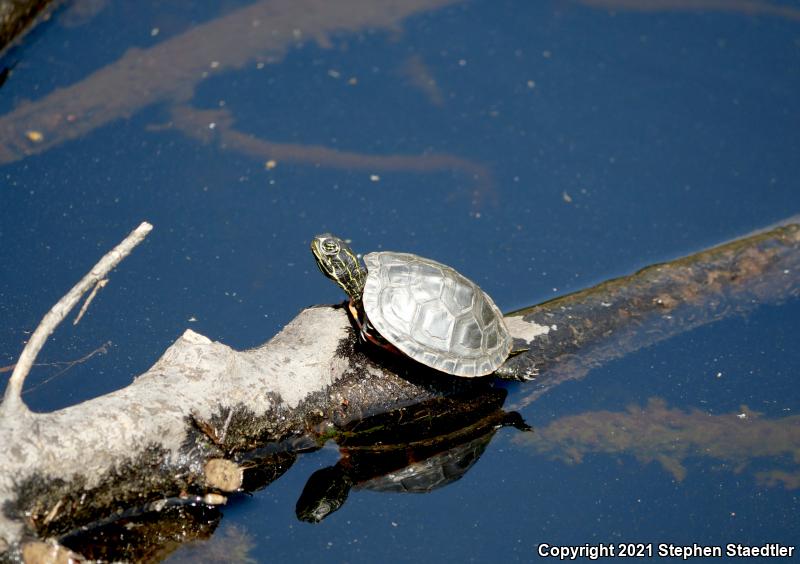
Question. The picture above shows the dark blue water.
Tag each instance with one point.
(583, 143)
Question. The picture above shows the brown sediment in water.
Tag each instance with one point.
(672, 436)
(169, 71)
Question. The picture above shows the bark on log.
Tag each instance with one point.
(158, 439)
(16, 16)
(596, 325)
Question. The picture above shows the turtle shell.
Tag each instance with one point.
(424, 476)
(434, 315)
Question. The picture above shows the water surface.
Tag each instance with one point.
(538, 147)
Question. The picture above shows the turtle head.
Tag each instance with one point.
(338, 262)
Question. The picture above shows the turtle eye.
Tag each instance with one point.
(330, 247)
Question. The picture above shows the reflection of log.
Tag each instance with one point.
(202, 400)
(671, 436)
(170, 70)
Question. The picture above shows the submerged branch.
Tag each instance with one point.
(591, 327)
(169, 71)
(671, 436)
(197, 124)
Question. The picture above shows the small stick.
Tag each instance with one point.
(12, 401)
(103, 349)
(100, 284)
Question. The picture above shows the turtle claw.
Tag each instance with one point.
(520, 374)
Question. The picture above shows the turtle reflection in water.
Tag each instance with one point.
(415, 449)
(418, 307)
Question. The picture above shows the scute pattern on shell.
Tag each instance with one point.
(434, 314)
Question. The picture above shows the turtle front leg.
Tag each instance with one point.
(367, 332)
(353, 308)
(520, 371)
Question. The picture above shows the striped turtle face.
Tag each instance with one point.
(338, 262)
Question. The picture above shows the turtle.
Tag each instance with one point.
(418, 307)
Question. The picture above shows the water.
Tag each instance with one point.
(537, 147)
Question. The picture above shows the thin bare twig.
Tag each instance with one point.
(67, 364)
(100, 284)
(12, 401)
(102, 349)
